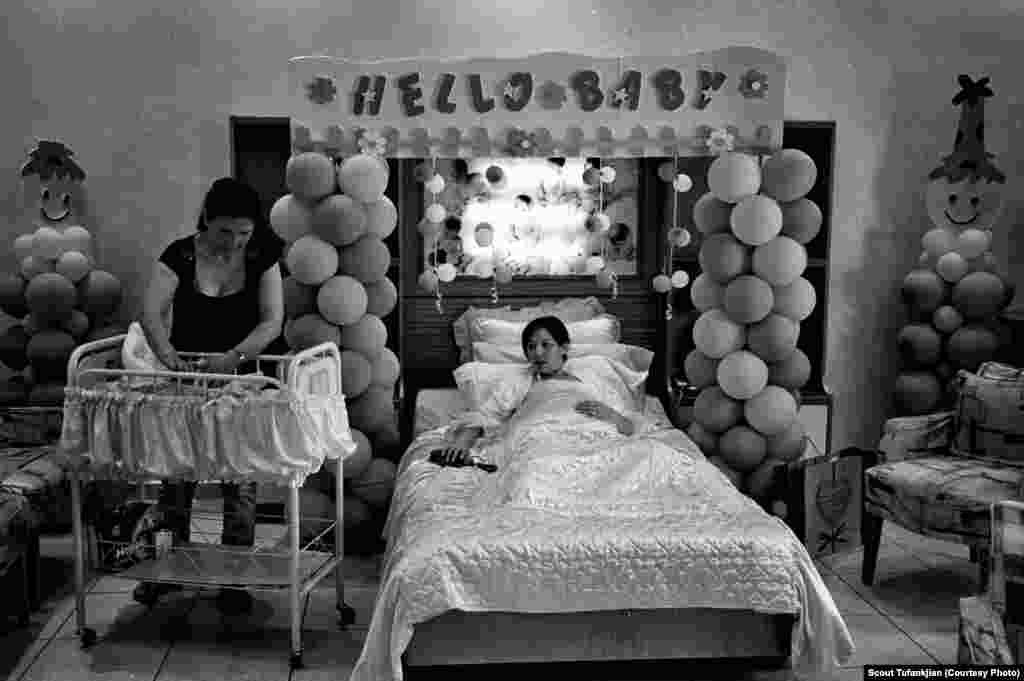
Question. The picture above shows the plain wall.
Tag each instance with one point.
(142, 92)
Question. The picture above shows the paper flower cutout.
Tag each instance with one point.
(519, 143)
(551, 95)
(753, 84)
(373, 143)
(720, 140)
(619, 96)
(511, 91)
(321, 90)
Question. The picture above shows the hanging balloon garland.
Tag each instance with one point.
(600, 224)
(678, 237)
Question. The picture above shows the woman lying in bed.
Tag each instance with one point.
(550, 379)
(592, 507)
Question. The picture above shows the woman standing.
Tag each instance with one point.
(216, 291)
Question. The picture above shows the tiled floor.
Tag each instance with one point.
(909, 616)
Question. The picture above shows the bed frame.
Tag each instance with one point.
(458, 638)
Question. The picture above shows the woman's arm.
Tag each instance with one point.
(155, 311)
(601, 411)
(466, 436)
(271, 315)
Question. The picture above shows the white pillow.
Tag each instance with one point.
(478, 380)
(567, 309)
(603, 329)
(633, 356)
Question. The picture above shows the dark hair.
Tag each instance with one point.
(525, 199)
(553, 325)
(452, 223)
(558, 161)
(230, 198)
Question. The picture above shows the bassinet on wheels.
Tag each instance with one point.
(159, 425)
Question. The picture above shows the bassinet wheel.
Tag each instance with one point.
(88, 637)
(296, 661)
(346, 615)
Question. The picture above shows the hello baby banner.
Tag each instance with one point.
(551, 104)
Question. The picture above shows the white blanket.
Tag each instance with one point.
(580, 518)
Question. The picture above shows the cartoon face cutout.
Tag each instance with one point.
(52, 183)
(54, 202)
(966, 204)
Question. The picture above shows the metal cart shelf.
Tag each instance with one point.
(299, 569)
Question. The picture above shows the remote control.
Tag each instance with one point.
(436, 458)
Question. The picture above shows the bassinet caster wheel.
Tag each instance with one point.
(88, 636)
(346, 615)
(295, 661)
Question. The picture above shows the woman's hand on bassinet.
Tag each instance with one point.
(174, 362)
(224, 363)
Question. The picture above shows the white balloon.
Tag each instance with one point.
(435, 185)
(682, 183)
(436, 213)
(680, 279)
(446, 272)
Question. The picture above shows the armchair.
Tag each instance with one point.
(939, 475)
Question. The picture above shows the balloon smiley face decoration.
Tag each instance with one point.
(955, 295)
(55, 291)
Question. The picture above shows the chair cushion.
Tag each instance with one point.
(947, 496)
(989, 415)
(16, 516)
(33, 473)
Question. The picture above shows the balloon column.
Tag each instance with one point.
(57, 293)
(957, 291)
(756, 221)
(338, 290)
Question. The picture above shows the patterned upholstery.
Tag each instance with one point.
(33, 473)
(943, 496)
(941, 473)
(28, 448)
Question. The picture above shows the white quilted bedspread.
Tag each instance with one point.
(610, 523)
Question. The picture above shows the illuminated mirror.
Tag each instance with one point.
(536, 216)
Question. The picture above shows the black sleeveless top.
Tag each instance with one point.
(205, 323)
